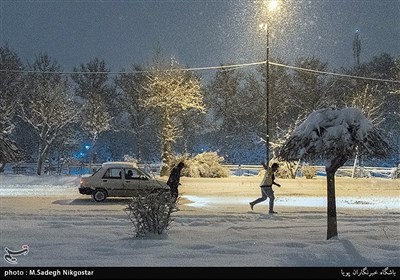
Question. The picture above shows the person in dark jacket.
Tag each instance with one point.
(266, 187)
(174, 178)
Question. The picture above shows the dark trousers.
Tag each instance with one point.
(174, 191)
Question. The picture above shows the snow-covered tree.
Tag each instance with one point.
(98, 95)
(370, 95)
(334, 135)
(232, 99)
(170, 93)
(11, 84)
(9, 152)
(282, 135)
(281, 96)
(369, 103)
(222, 100)
(310, 88)
(139, 118)
(47, 105)
(395, 88)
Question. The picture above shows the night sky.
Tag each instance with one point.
(198, 33)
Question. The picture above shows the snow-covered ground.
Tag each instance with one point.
(214, 227)
(341, 202)
(20, 185)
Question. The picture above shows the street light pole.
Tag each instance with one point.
(269, 7)
(267, 98)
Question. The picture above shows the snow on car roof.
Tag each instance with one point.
(120, 164)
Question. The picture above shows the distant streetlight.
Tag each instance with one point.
(270, 6)
(87, 147)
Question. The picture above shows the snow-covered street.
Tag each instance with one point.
(214, 227)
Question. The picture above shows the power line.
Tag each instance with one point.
(221, 67)
(334, 74)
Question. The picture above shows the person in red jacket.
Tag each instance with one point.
(266, 187)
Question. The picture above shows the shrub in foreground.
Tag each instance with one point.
(151, 212)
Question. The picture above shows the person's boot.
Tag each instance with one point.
(272, 212)
(251, 205)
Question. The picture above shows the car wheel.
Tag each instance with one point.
(99, 195)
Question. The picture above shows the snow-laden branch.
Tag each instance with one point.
(331, 133)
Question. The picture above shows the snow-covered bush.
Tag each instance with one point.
(130, 158)
(151, 212)
(207, 164)
(308, 171)
(285, 170)
(175, 159)
(396, 173)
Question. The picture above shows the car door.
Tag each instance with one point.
(112, 181)
(134, 182)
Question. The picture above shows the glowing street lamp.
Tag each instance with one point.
(272, 5)
(87, 147)
(269, 6)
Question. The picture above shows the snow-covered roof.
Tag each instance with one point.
(120, 164)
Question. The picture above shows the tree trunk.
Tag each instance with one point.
(332, 220)
(353, 173)
(43, 149)
(167, 137)
(94, 139)
(165, 158)
(331, 169)
(2, 166)
(295, 169)
(39, 165)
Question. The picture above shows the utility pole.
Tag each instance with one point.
(357, 48)
(267, 99)
(269, 7)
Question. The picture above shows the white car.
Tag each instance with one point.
(119, 179)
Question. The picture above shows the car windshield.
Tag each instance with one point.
(144, 173)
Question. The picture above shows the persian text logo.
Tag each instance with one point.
(9, 255)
